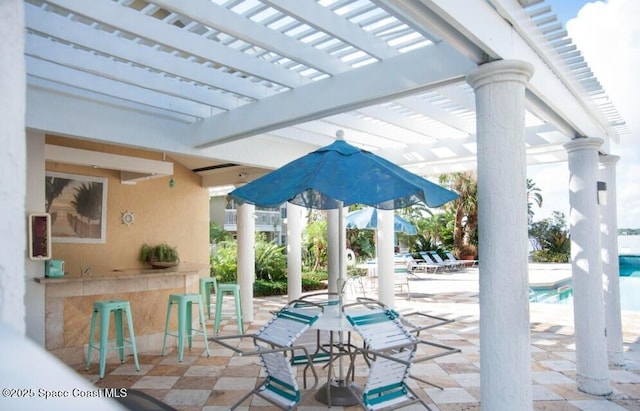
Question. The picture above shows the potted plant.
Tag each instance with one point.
(467, 252)
(159, 256)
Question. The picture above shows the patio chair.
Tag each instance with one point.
(401, 279)
(417, 322)
(390, 348)
(274, 344)
(453, 265)
(421, 266)
(441, 267)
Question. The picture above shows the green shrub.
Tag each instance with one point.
(546, 256)
(224, 264)
(271, 263)
(263, 288)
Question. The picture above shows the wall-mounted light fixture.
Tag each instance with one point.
(602, 193)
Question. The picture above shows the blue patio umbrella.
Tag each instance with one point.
(339, 175)
(367, 219)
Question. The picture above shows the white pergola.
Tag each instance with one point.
(233, 88)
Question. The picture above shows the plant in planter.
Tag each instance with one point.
(467, 252)
(159, 256)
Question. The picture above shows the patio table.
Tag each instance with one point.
(338, 390)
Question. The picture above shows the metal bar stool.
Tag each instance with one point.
(105, 308)
(185, 329)
(205, 291)
(220, 292)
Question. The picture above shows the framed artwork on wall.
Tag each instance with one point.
(78, 207)
(39, 236)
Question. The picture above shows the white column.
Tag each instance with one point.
(333, 252)
(246, 258)
(384, 252)
(505, 353)
(294, 251)
(586, 265)
(12, 166)
(610, 263)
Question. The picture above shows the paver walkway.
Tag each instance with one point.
(200, 383)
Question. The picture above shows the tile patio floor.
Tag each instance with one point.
(202, 383)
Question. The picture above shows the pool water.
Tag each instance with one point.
(629, 287)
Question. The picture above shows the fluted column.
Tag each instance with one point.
(610, 263)
(586, 266)
(505, 353)
(246, 258)
(294, 251)
(12, 166)
(384, 251)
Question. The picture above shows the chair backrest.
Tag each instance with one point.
(289, 323)
(436, 257)
(392, 348)
(450, 256)
(284, 328)
(427, 257)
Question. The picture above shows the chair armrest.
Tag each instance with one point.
(448, 351)
(385, 354)
(416, 328)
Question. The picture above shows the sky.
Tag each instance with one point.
(607, 33)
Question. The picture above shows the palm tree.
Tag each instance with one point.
(465, 207)
(316, 239)
(533, 196)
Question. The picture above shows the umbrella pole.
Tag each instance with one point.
(342, 264)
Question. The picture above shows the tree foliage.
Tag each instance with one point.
(217, 234)
(270, 261)
(550, 239)
(314, 240)
(534, 195)
(465, 207)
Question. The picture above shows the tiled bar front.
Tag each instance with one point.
(69, 303)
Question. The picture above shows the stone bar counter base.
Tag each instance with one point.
(69, 304)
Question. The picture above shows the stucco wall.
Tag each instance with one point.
(177, 215)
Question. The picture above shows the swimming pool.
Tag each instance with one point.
(629, 287)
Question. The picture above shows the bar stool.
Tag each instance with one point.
(221, 290)
(184, 302)
(205, 291)
(105, 308)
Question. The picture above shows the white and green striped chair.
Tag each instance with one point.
(390, 348)
(275, 345)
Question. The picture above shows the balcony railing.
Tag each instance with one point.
(265, 220)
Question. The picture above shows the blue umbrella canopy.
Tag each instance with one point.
(339, 175)
(367, 219)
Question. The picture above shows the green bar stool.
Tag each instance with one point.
(205, 291)
(221, 290)
(184, 303)
(105, 308)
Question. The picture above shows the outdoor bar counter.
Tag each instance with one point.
(69, 304)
